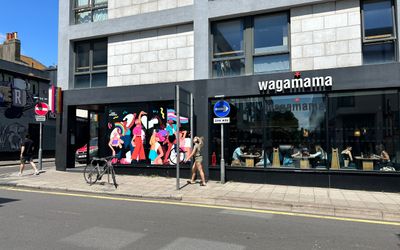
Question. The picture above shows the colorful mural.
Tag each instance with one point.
(147, 135)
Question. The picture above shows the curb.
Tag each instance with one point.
(303, 208)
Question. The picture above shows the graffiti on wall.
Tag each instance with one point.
(148, 137)
(11, 136)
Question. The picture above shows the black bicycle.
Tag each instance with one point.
(173, 156)
(97, 168)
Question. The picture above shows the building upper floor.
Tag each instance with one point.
(130, 42)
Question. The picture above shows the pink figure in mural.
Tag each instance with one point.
(156, 153)
(171, 129)
(115, 143)
(137, 140)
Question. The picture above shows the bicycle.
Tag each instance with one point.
(97, 168)
(173, 155)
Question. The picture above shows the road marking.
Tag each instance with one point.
(187, 204)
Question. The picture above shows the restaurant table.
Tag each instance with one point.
(305, 161)
(249, 159)
(367, 162)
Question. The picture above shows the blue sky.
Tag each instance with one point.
(37, 25)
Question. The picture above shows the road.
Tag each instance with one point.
(46, 220)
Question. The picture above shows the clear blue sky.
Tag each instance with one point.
(37, 25)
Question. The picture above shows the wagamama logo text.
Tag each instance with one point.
(308, 82)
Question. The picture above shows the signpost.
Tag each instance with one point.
(41, 110)
(221, 110)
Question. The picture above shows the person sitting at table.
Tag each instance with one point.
(261, 162)
(301, 151)
(384, 158)
(319, 157)
(347, 156)
(236, 156)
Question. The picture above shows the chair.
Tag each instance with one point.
(275, 158)
(335, 164)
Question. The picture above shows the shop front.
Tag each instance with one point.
(335, 128)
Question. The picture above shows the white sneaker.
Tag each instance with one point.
(20, 174)
(36, 173)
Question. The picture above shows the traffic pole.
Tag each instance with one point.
(40, 144)
(222, 155)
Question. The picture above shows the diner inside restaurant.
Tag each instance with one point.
(355, 131)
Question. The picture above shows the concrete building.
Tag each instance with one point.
(304, 78)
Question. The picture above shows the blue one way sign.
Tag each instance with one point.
(222, 108)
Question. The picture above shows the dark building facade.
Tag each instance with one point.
(313, 88)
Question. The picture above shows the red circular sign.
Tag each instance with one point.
(41, 108)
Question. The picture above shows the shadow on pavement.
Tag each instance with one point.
(6, 200)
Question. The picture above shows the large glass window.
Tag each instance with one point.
(338, 131)
(379, 36)
(251, 45)
(87, 11)
(91, 64)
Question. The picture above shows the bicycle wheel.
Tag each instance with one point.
(173, 156)
(90, 173)
(113, 177)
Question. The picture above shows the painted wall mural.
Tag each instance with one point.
(146, 134)
(11, 136)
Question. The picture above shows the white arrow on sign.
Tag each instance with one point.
(223, 109)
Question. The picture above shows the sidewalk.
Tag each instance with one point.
(321, 201)
(16, 162)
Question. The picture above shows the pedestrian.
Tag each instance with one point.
(198, 161)
(27, 155)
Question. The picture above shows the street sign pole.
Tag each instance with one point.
(41, 110)
(221, 110)
(40, 144)
(222, 155)
(178, 155)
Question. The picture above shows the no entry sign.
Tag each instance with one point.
(41, 108)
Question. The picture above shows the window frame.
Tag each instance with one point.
(90, 7)
(248, 45)
(91, 69)
(380, 39)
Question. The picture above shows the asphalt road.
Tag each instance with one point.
(49, 221)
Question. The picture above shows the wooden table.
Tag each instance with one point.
(249, 159)
(304, 161)
(367, 162)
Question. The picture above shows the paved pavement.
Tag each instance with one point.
(8, 163)
(321, 201)
(32, 220)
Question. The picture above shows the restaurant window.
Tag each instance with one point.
(250, 45)
(336, 131)
(379, 32)
(87, 11)
(90, 64)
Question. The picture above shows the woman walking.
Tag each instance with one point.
(198, 160)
